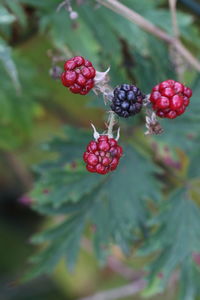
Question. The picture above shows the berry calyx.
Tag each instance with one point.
(170, 99)
(79, 75)
(102, 156)
(127, 100)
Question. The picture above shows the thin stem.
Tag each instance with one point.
(172, 6)
(111, 120)
(177, 59)
(121, 292)
(115, 264)
(146, 25)
(136, 18)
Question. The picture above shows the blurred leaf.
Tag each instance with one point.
(177, 236)
(9, 65)
(5, 16)
(18, 11)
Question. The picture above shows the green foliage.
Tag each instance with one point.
(88, 198)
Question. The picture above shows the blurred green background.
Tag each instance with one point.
(34, 107)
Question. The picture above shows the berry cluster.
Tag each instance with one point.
(170, 99)
(103, 155)
(78, 75)
(127, 100)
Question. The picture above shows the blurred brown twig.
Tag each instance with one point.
(146, 25)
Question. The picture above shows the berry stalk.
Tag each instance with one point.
(111, 122)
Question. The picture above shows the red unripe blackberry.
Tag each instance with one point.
(103, 155)
(127, 100)
(170, 98)
(78, 75)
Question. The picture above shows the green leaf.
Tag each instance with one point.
(18, 11)
(9, 65)
(114, 204)
(65, 242)
(177, 236)
(5, 16)
(189, 280)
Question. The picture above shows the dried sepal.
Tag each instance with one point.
(152, 124)
(96, 135)
(101, 86)
(146, 101)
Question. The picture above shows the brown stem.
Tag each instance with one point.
(121, 292)
(172, 6)
(146, 25)
(136, 18)
(176, 58)
(115, 264)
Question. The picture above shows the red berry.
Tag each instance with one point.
(75, 88)
(92, 146)
(86, 72)
(112, 142)
(79, 60)
(168, 92)
(69, 65)
(81, 80)
(79, 75)
(176, 102)
(170, 98)
(92, 72)
(88, 63)
(104, 146)
(90, 168)
(155, 96)
(156, 87)
(171, 115)
(162, 102)
(106, 161)
(103, 155)
(178, 87)
(186, 101)
(187, 92)
(92, 159)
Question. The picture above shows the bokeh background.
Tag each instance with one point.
(34, 107)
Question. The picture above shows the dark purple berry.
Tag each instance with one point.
(127, 100)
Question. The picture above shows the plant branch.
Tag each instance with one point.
(175, 56)
(111, 123)
(136, 18)
(121, 292)
(146, 25)
(125, 271)
(115, 264)
(172, 6)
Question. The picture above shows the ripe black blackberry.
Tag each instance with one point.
(127, 100)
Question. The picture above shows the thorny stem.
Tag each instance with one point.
(146, 25)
